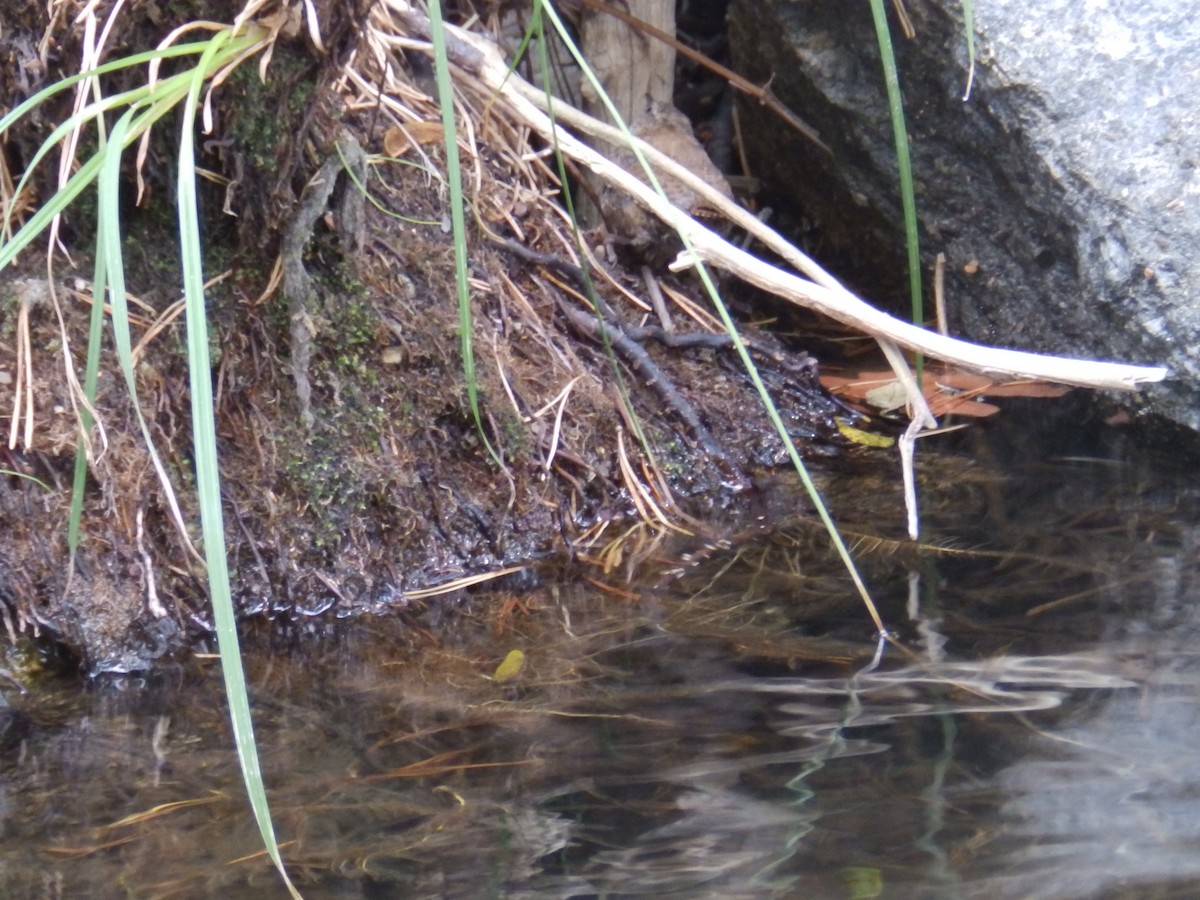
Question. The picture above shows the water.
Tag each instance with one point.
(725, 736)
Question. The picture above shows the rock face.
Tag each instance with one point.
(1064, 192)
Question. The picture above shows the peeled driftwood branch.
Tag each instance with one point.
(822, 293)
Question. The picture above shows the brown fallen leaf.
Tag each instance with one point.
(948, 391)
(397, 140)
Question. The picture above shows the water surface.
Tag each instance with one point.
(729, 734)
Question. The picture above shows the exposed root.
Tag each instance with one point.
(297, 287)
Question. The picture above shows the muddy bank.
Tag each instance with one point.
(354, 476)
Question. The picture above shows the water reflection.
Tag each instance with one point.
(724, 736)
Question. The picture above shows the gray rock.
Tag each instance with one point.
(1067, 184)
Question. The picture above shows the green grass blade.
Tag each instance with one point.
(968, 8)
(27, 477)
(441, 67)
(154, 104)
(41, 219)
(108, 273)
(146, 105)
(365, 190)
(903, 161)
(164, 96)
(537, 27)
(123, 63)
(90, 379)
(208, 483)
(735, 337)
(108, 229)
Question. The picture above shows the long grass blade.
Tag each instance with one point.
(147, 104)
(908, 200)
(441, 68)
(154, 103)
(537, 28)
(735, 337)
(208, 483)
(91, 378)
(108, 225)
(124, 62)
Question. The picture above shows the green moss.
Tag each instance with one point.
(321, 483)
(325, 471)
(515, 435)
(348, 339)
(268, 113)
(329, 474)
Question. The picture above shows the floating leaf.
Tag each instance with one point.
(510, 668)
(866, 438)
(862, 882)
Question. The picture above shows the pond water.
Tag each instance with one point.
(726, 734)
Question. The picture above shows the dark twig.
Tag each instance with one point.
(604, 326)
(640, 361)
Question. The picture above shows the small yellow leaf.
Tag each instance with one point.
(510, 668)
(862, 882)
(866, 438)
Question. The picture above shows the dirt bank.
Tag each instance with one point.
(355, 478)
